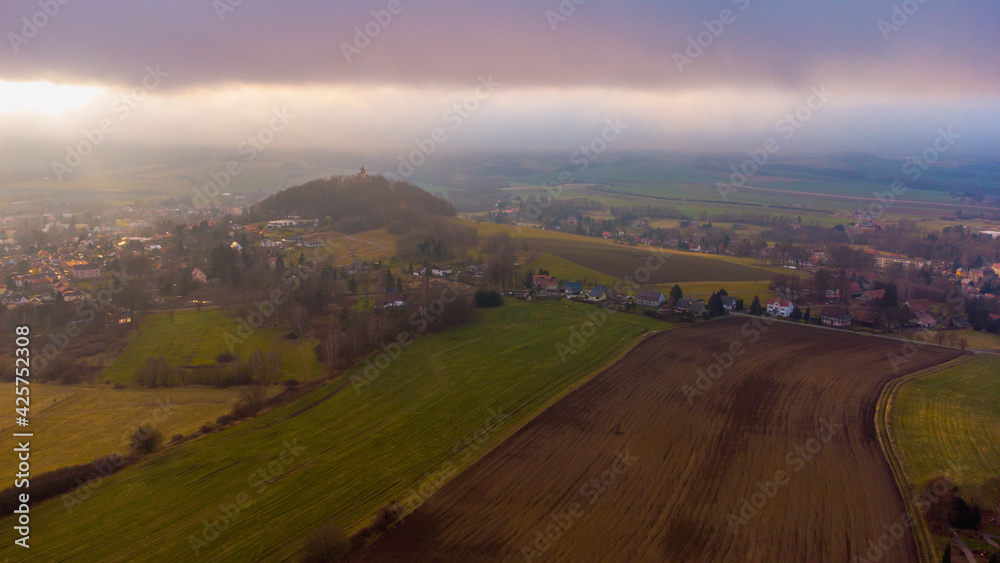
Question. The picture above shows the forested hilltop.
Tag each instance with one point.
(358, 203)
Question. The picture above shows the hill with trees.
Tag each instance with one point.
(355, 203)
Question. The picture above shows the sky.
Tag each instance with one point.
(388, 76)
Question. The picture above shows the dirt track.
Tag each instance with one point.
(677, 493)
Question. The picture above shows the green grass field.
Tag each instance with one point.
(196, 338)
(416, 424)
(951, 418)
(78, 424)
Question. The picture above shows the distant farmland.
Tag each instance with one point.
(620, 261)
(755, 434)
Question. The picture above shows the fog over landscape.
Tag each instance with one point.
(380, 281)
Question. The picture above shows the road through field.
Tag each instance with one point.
(683, 452)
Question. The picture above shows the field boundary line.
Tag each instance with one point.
(570, 387)
(890, 450)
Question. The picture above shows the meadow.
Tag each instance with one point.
(76, 424)
(195, 338)
(337, 455)
(951, 418)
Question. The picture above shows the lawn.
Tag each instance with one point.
(339, 456)
(76, 424)
(196, 338)
(951, 417)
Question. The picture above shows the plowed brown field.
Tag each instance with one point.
(626, 468)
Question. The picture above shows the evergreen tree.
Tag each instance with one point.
(675, 294)
(714, 306)
(947, 554)
(796, 314)
(755, 308)
(808, 316)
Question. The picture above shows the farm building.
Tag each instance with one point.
(573, 288)
(728, 303)
(835, 316)
(650, 298)
(780, 307)
(441, 270)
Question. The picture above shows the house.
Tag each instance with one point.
(392, 299)
(86, 271)
(72, 294)
(599, 293)
(872, 295)
(924, 319)
(728, 303)
(835, 316)
(573, 288)
(920, 305)
(547, 284)
(689, 305)
(268, 243)
(476, 270)
(236, 246)
(441, 270)
(650, 298)
(198, 276)
(780, 307)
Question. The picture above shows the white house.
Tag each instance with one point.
(441, 270)
(650, 298)
(780, 307)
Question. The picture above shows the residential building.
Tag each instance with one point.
(780, 307)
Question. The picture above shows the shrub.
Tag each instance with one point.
(145, 439)
(177, 438)
(486, 298)
(224, 419)
(61, 481)
(225, 357)
(325, 544)
(206, 429)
